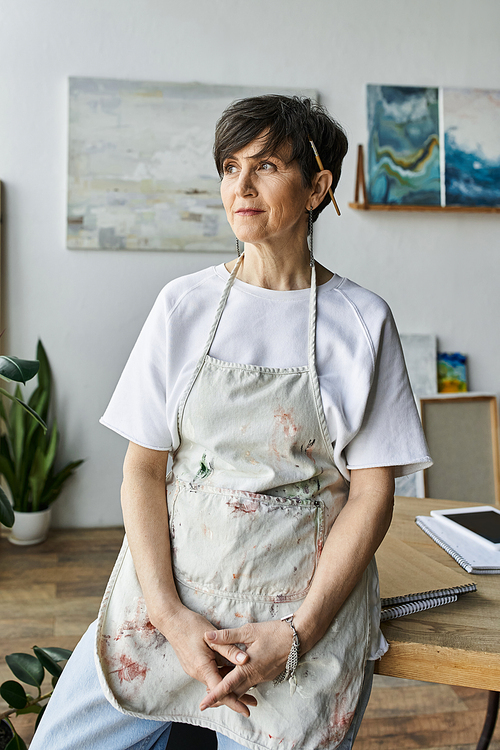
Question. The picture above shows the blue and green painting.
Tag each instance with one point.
(472, 147)
(452, 372)
(403, 145)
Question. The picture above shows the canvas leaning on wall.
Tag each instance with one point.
(141, 174)
(419, 351)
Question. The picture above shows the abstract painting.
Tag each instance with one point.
(141, 172)
(452, 372)
(403, 145)
(471, 122)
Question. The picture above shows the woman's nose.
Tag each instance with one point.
(245, 185)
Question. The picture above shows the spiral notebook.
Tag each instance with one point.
(412, 582)
(473, 556)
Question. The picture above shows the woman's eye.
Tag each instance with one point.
(229, 169)
(267, 166)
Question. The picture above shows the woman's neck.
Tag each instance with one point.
(282, 272)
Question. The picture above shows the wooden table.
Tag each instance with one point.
(457, 644)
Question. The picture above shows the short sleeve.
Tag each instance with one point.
(391, 432)
(137, 410)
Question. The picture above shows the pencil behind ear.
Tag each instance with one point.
(320, 165)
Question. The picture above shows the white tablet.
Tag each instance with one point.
(482, 523)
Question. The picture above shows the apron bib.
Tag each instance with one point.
(252, 497)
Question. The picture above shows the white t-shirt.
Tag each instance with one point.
(370, 410)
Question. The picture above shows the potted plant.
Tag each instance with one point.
(27, 458)
(30, 670)
(16, 370)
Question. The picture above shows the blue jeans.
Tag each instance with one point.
(79, 717)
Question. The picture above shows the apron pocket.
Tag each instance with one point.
(244, 545)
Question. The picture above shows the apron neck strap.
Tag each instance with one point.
(220, 309)
(311, 354)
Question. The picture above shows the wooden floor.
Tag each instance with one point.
(50, 593)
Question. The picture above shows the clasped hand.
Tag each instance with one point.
(267, 645)
(228, 662)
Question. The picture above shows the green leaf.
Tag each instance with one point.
(50, 453)
(18, 370)
(6, 511)
(31, 444)
(3, 413)
(44, 374)
(33, 709)
(37, 477)
(57, 654)
(55, 483)
(16, 743)
(26, 668)
(5, 448)
(47, 661)
(38, 399)
(7, 468)
(40, 716)
(25, 407)
(17, 427)
(14, 694)
(39, 402)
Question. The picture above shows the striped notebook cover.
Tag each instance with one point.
(412, 582)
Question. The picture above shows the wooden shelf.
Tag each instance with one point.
(361, 201)
(449, 209)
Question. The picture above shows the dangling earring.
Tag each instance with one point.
(238, 247)
(310, 233)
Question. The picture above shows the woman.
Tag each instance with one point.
(280, 390)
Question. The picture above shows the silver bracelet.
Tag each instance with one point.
(292, 661)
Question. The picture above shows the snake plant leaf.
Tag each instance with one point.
(14, 694)
(26, 668)
(3, 413)
(54, 485)
(7, 469)
(39, 402)
(37, 477)
(16, 743)
(41, 467)
(26, 407)
(51, 448)
(6, 511)
(44, 374)
(47, 661)
(17, 428)
(18, 370)
(57, 654)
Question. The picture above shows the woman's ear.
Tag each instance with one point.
(321, 183)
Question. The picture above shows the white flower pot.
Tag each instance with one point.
(30, 528)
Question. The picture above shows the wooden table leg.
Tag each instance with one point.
(490, 721)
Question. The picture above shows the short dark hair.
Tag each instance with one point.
(288, 121)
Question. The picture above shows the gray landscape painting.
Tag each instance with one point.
(141, 173)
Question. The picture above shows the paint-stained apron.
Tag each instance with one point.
(253, 495)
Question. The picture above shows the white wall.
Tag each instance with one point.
(439, 272)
